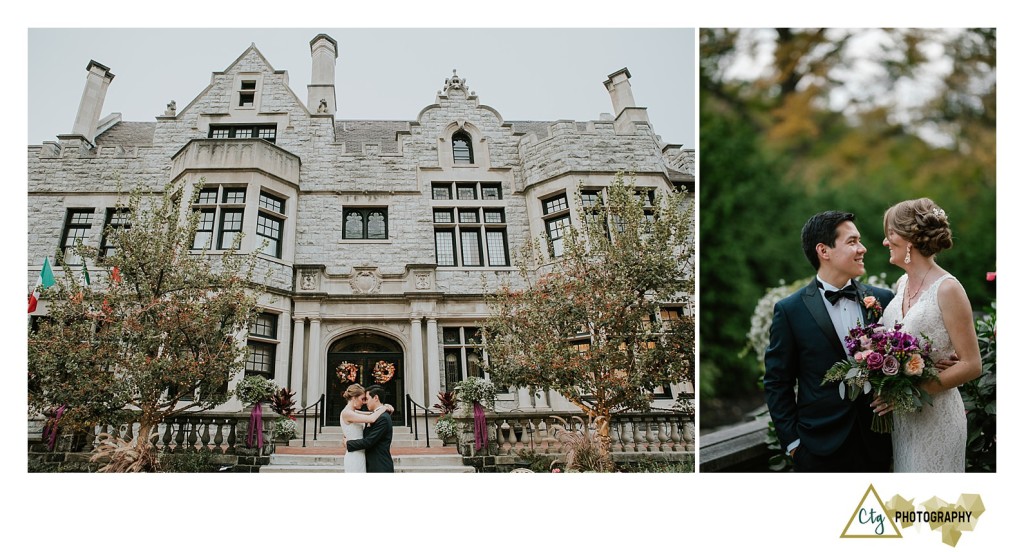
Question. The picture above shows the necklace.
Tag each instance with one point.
(910, 298)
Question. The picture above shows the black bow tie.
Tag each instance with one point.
(833, 296)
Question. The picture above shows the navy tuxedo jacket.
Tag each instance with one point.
(377, 443)
(803, 345)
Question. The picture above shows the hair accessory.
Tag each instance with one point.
(940, 213)
(906, 260)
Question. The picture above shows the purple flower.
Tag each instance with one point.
(875, 360)
(890, 366)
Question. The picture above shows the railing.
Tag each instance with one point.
(216, 433)
(652, 432)
(316, 416)
(411, 408)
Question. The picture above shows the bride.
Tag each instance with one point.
(931, 302)
(353, 421)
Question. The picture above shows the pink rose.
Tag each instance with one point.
(875, 360)
(890, 365)
(914, 365)
(870, 301)
(556, 470)
(859, 356)
(865, 342)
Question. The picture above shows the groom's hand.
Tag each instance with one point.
(946, 362)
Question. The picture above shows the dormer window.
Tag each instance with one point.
(462, 149)
(247, 94)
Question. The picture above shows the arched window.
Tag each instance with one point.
(354, 225)
(462, 149)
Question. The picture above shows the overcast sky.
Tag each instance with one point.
(525, 74)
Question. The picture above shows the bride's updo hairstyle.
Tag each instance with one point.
(353, 391)
(922, 223)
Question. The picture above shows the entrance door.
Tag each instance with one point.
(365, 352)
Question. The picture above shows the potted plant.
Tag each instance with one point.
(283, 430)
(255, 390)
(475, 390)
(447, 429)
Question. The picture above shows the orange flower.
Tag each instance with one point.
(914, 365)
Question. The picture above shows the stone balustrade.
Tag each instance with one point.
(660, 434)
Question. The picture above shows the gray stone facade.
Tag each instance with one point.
(325, 287)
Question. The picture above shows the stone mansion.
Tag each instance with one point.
(381, 239)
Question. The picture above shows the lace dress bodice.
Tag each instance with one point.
(355, 462)
(934, 439)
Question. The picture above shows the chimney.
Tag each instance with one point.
(96, 84)
(625, 110)
(620, 91)
(324, 50)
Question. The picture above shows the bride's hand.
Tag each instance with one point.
(389, 408)
(881, 407)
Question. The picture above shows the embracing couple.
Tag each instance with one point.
(368, 451)
(824, 432)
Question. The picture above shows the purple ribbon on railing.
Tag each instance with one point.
(50, 428)
(255, 425)
(479, 426)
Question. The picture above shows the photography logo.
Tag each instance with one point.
(873, 519)
(870, 520)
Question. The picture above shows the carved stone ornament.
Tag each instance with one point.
(365, 282)
(422, 280)
(309, 280)
(454, 83)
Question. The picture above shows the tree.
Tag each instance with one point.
(586, 325)
(162, 336)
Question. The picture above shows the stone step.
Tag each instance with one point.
(410, 460)
(341, 469)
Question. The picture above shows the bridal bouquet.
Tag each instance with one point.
(890, 362)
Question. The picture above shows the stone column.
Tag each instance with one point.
(414, 363)
(298, 360)
(542, 400)
(525, 401)
(314, 387)
(433, 359)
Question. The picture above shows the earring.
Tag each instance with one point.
(906, 260)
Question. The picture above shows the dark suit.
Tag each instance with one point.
(835, 433)
(377, 443)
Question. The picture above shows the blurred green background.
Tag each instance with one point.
(797, 121)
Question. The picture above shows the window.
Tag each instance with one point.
(462, 148)
(556, 223)
(116, 218)
(463, 355)
(368, 223)
(441, 191)
(77, 223)
(247, 94)
(269, 223)
(262, 346)
(266, 132)
(228, 213)
(479, 244)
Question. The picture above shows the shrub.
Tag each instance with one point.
(188, 462)
(254, 389)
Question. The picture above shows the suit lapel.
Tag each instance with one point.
(862, 292)
(816, 306)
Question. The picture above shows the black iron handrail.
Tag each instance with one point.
(316, 415)
(411, 407)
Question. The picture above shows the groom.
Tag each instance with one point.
(377, 437)
(820, 430)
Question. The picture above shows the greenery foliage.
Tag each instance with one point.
(584, 448)
(656, 466)
(979, 397)
(474, 389)
(163, 340)
(285, 428)
(447, 428)
(586, 326)
(254, 389)
(190, 461)
(800, 137)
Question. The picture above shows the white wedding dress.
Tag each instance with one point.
(934, 439)
(355, 461)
